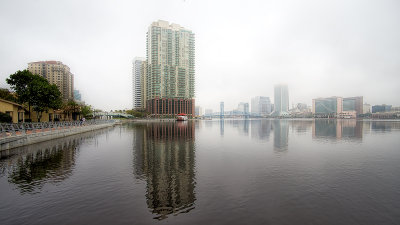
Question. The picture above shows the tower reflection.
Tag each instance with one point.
(242, 125)
(281, 135)
(165, 159)
(337, 129)
(222, 127)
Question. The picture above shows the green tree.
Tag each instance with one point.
(7, 95)
(72, 108)
(5, 118)
(20, 82)
(86, 111)
(35, 91)
(45, 96)
(136, 113)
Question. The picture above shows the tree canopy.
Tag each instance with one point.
(7, 95)
(136, 113)
(20, 83)
(35, 91)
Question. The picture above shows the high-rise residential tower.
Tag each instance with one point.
(138, 82)
(170, 70)
(56, 73)
(281, 97)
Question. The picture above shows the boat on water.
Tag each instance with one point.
(181, 117)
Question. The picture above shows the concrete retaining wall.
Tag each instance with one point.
(22, 140)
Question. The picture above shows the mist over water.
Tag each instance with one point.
(217, 172)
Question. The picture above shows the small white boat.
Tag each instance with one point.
(181, 117)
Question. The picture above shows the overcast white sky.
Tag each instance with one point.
(319, 48)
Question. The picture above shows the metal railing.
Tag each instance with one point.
(15, 129)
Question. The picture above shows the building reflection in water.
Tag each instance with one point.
(384, 126)
(301, 126)
(261, 129)
(164, 156)
(241, 125)
(221, 127)
(337, 129)
(281, 135)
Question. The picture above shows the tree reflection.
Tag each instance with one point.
(34, 169)
(29, 168)
(164, 155)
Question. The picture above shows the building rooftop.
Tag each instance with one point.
(10, 102)
(166, 24)
(48, 62)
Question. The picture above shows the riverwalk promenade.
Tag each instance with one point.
(17, 135)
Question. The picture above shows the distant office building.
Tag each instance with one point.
(208, 112)
(221, 107)
(198, 111)
(77, 95)
(246, 108)
(353, 104)
(260, 106)
(366, 108)
(395, 109)
(138, 82)
(300, 110)
(170, 69)
(56, 73)
(301, 107)
(243, 108)
(281, 98)
(338, 107)
(381, 108)
(327, 107)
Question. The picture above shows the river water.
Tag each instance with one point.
(209, 172)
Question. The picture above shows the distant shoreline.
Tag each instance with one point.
(197, 119)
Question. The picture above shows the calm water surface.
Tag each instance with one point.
(209, 172)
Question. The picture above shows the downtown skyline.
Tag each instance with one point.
(330, 49)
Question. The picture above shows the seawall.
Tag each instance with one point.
(11, 142)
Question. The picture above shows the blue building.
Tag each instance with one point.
(381, 108)
(77, 95)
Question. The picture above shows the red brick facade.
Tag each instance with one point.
(170, 106)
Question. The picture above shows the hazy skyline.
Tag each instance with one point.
(243, 48)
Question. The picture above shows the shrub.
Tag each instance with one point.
(5, 118)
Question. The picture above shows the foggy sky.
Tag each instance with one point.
(243, 48)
